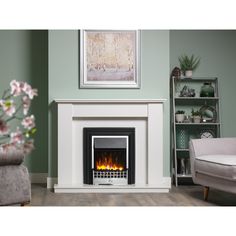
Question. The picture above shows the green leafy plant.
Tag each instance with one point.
(196, 113)
(179, 112)
(189, 63)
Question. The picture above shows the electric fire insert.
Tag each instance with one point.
(109, 156)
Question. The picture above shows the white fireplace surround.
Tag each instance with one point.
(146, 116)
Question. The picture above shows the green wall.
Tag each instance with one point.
(42, 58)
(23, 56)
(217, 50)
(64, 80)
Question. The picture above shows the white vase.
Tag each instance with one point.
(188, 73)
(179, 118)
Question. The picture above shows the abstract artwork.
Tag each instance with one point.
(109, 59)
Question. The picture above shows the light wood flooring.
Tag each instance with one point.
(185, 195)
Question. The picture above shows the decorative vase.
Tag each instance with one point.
(179, 118)
(187, 166)
(182, 139)
(182, 166)
(188, 73)
(207, 90)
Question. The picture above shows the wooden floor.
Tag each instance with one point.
(181, 196)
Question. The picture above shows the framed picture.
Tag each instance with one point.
(109, 59)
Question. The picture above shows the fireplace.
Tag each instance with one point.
(140, 120)
(109, 156)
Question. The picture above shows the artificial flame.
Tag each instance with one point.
(107, 163)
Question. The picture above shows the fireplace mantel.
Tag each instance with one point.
(145, 115)
(110, 101)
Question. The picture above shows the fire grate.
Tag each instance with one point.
(110, 177)
(110, 174)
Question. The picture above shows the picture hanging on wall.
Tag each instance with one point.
(109, 59)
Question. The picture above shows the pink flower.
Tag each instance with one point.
(16, 87)
(29, 91)
(17, 137)
(26, 104)
(32, 93)
(28, 122)
(3, 127)
(8, 107)
(16, 102)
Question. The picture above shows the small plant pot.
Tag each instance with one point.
(179, 118)
(189, 73)
(197, 119)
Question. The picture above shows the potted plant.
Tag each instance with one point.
(179, 116)
(188, 64)
(196, 116)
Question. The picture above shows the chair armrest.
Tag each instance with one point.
(11, 157)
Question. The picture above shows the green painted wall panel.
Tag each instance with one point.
(64, 80)
(23, 56)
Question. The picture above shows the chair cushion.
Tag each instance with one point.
(221, 166)
(11, 157)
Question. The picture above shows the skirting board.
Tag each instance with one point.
(42, 178)
(38, 178)
(51, 181)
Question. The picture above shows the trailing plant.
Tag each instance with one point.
(189, 63)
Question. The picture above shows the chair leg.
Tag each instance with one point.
(206, 191)
(24, 203)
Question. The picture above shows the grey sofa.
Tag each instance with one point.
(14, 179)
(213, 163)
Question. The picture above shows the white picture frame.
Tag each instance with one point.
(110, 59)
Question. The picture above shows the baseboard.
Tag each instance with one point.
(38, 178)
(51, 181)
(167, 181)
(42, 178)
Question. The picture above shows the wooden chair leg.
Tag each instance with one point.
(24, 203)
(206, 191)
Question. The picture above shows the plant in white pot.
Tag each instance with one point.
(196, 116)
(188, 64)
(179, 116)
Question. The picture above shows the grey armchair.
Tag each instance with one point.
(14, 179)
(213, 163)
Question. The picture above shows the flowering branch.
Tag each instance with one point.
(20, 138)
(14, 116)
(4, 93)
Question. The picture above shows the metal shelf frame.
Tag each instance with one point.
(191, 102)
